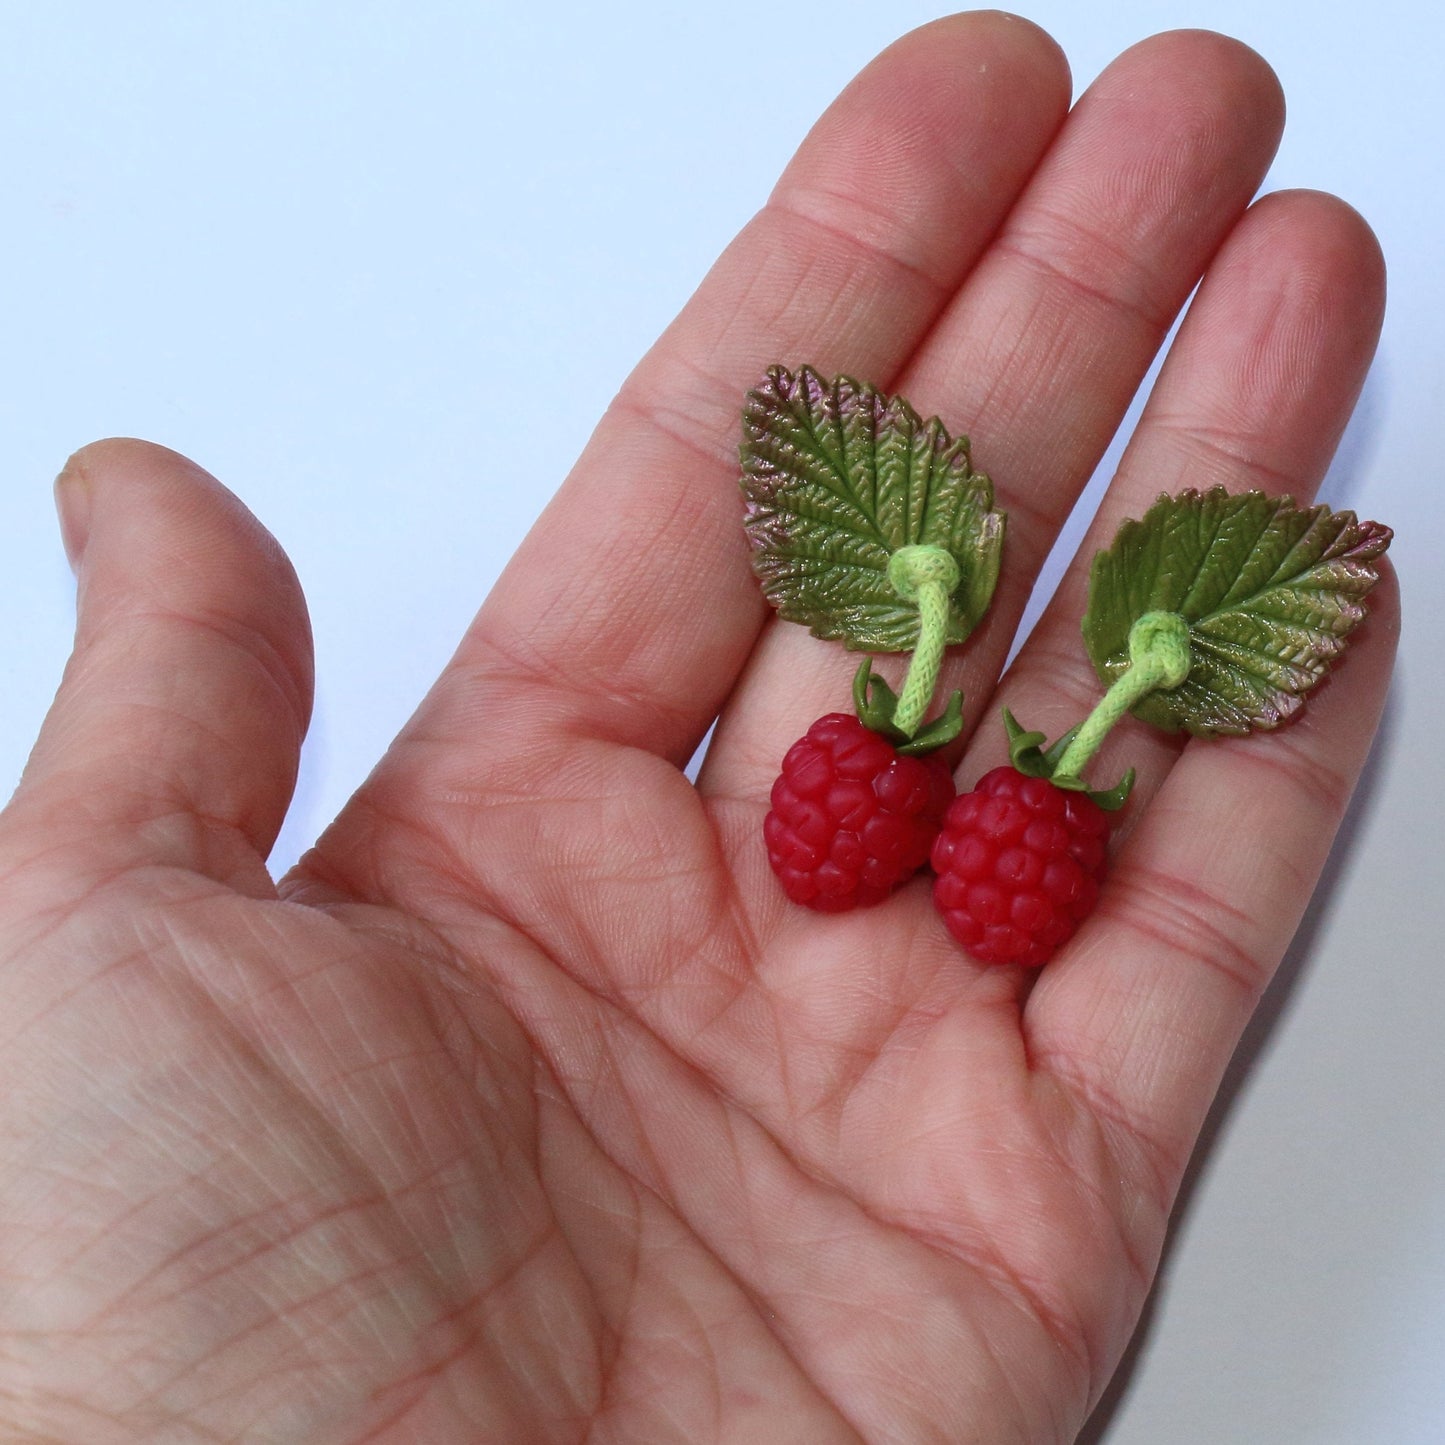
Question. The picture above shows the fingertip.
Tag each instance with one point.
(114, 458)
(1210, 85)
(1214, 58)
(1022, 65)
(1332, 239)
(152, 528)
(1295, 301)
(1001, 31)
(120, 458)
(929, 78)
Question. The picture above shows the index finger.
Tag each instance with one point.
(630, 609)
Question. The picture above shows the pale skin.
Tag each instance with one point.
(525, 1108)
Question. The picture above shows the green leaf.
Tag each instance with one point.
(1270, 591)
(837, 478)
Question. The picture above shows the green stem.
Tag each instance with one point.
(1158, 657)
(926, 575)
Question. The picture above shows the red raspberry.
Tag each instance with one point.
(1019, 865)
(851, 817)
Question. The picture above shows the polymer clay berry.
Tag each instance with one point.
(1019, 864)
(851, 817)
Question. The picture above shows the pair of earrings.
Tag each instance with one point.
(1215, 614)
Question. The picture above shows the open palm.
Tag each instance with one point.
(525, 1108)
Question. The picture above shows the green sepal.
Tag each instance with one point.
(943, 729)
(1112, 799)
(875, 703)
(1025, 749)
(1028, 755)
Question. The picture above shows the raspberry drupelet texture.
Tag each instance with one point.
(851, 817)
(1019, 864)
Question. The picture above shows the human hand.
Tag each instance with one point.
(525, 1108)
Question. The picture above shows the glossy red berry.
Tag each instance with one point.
(851, 817)
(1019, 864)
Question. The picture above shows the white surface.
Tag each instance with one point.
(324, 248)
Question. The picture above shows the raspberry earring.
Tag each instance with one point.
(1215, 615)
(868, 526)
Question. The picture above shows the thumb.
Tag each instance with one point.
(176, 732)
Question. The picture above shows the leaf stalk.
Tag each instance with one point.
(1158, 658)
(928, 576)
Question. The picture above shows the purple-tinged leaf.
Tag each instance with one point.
(1270, 591)
(837, 478)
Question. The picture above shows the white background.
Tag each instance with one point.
(379, 266)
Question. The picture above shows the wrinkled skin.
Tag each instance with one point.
(524, 1108)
